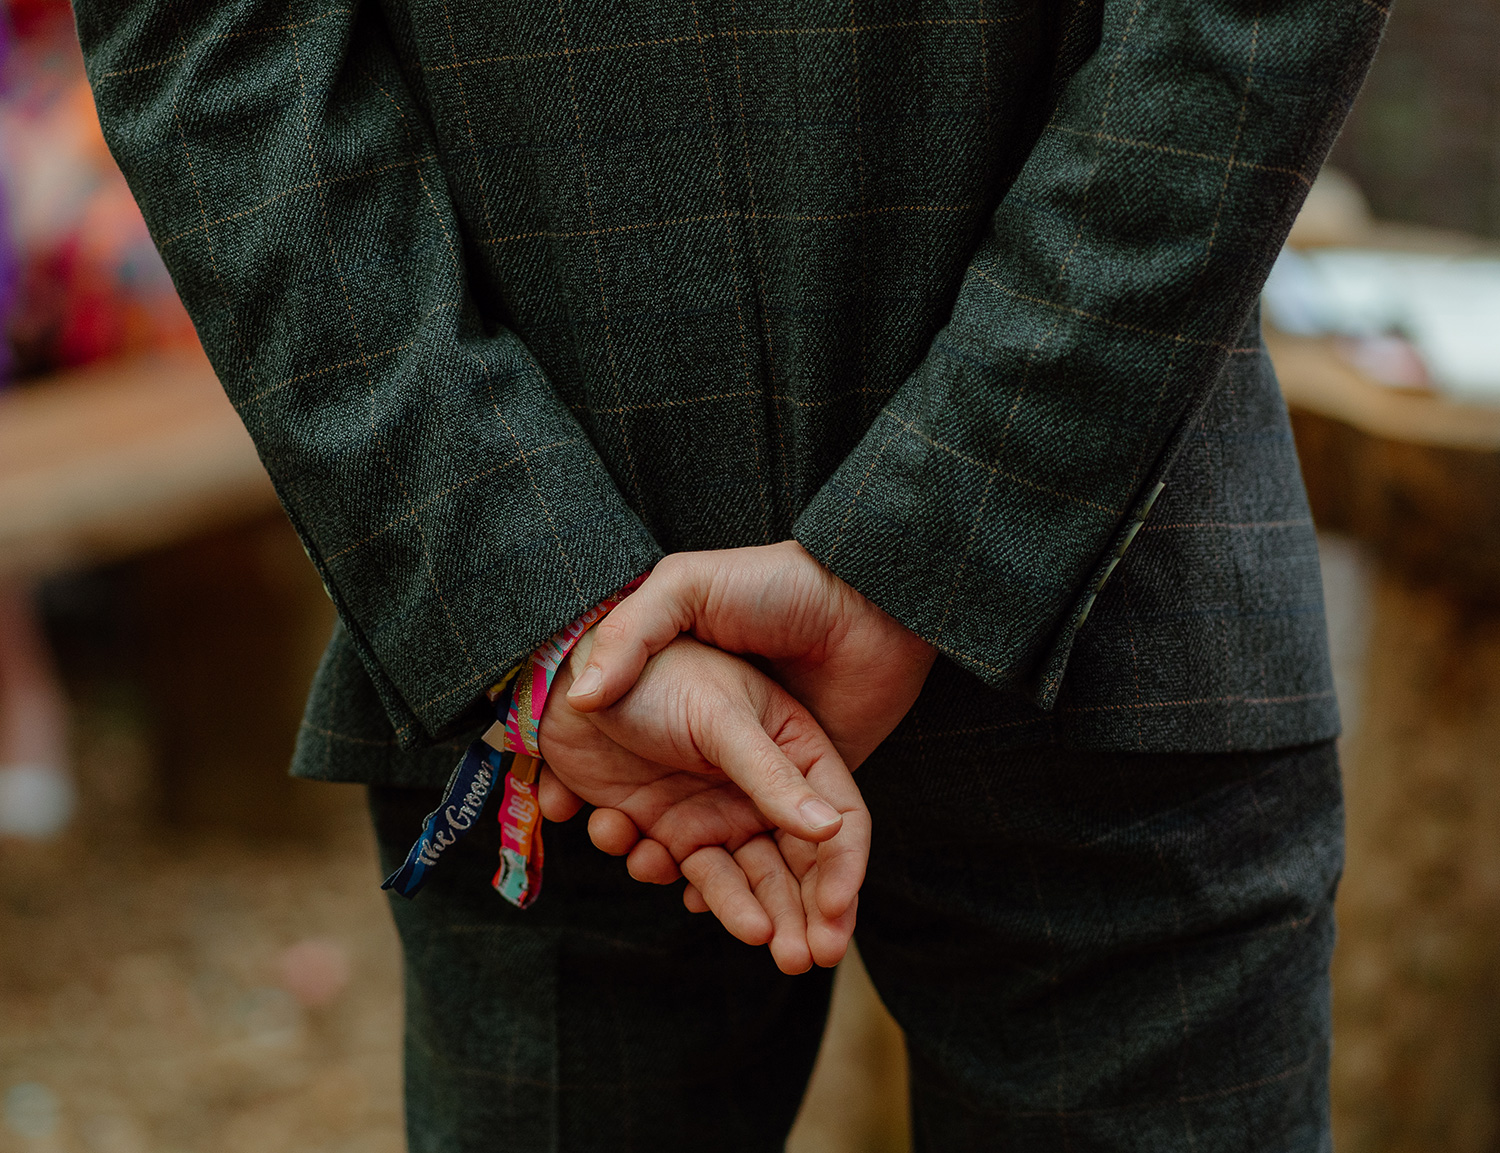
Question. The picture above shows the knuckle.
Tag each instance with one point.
(670, 569)
(780, 777)
(614, 629)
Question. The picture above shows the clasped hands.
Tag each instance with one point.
(736, 775)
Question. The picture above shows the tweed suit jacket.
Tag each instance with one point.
(515, 298)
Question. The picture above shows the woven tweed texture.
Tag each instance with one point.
(515, 298)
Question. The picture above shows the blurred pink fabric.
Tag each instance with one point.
(89, 283)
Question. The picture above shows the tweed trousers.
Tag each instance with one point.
(1086, 950)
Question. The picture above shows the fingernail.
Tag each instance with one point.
(588, 684)
(818, 814)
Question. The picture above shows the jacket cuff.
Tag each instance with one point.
(997, 576)
(528, 701)
(431, 665)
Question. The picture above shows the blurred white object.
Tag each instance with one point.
(31, 1110)
(36, 801)
(1448, 308)
(1348, 589)
(37, 796)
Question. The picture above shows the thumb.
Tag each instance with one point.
(734, 738)
(610, 656)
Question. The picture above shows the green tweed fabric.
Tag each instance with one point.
(516, 297)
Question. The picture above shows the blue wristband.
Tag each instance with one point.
(458, 812)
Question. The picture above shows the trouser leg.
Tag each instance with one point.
(605, 1017)
(1106, 952)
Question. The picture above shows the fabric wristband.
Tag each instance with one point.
(507, 750)
(529, 700)
(464, 796)
(519, 876)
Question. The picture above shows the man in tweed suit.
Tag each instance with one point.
(958, 294)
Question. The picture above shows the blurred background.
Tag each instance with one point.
(194, 952)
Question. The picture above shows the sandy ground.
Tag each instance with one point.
(168, 991)
(165, 988)
(172, 992)
(148, 1001)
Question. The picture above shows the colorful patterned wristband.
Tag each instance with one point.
(508, 748)
(529, 700)
(519, 877)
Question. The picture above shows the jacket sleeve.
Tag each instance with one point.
(990, 499)
(453, 506)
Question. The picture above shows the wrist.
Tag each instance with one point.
(535, 681)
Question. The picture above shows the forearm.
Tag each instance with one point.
(984, 505)
(454, 508)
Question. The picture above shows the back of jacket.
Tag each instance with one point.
(515, 299)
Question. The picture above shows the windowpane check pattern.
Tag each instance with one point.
(516, 297)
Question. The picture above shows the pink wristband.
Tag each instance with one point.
(534, 682)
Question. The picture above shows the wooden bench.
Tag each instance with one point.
(145, 465)
(116, 459)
